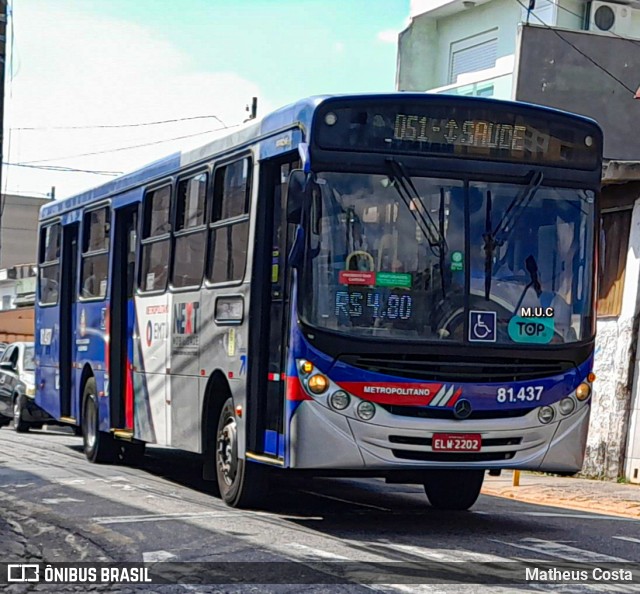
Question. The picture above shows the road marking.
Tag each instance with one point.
(628, 538)
(346, 501)
(561, 551)
(59, 500)
(309, 553)
(161, 517)
(592, 516)
(157, 556)
(445, 555)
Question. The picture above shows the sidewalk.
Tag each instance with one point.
(572, 493)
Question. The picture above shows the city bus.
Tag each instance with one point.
(396, 285)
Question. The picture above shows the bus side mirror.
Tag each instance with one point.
(295, 195)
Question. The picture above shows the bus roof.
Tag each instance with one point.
(296, 114)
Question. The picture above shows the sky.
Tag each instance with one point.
(74, 65)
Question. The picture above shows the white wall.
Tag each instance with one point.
(424, 48)
(7, 289)
(615, 373)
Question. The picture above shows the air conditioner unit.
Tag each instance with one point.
(610, 19)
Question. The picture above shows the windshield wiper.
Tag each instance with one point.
(496, 237)
(403, 184)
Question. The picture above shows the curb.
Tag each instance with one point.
(591, 506)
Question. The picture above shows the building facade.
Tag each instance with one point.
(18, 246)
(582, 57)
(19, 229)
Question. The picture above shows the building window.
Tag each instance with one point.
(155, 250)
(49, 264)
(96, 229)
(229, 228)
(473, 54)
(614, 243)
(190, 232)
(7, 301)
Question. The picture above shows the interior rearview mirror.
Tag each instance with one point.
(295, 195)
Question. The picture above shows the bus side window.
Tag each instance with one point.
(49, 261)
(229, 227)
(190, 232)
(96, 230)
(155, 250)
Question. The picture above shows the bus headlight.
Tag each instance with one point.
(546, 414)
(567, 406)
(318, 383)
(583, 391)
(366, 410)
(339, 400)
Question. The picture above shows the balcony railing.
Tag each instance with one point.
(499, 87)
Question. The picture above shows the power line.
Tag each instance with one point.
(127, 148)
(134, 125)
(577, 49)
(64, 169)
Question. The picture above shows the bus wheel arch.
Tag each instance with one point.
(99, 447)
(241, 483)
(87, 373)
(216, 394)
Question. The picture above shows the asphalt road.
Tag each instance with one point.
(56, 506)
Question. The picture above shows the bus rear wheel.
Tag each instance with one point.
(99, 447)
(241, 482)
(453, 489)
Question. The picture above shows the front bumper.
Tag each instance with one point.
(323, 438)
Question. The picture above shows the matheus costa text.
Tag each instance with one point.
(598, 574)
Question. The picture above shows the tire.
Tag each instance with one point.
(130, 453)
(241, 482)
(453, 489)
(77, 430)
(4, 422)
(19, 424)
(99, 447)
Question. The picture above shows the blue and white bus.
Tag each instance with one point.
(387, 285)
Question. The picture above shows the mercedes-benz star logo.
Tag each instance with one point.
(462, 409)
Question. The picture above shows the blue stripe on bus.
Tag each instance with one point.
(271, 442)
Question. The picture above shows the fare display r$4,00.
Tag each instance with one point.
(373, 304)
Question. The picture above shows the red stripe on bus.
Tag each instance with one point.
(399, 393)
(128, 399)
(294, 390)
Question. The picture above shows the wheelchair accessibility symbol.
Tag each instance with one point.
(482, 326)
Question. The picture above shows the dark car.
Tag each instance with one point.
(17, 388)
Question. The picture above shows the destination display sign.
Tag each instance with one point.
(458, 127)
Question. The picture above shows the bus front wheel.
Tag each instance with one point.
(241, 482)
(98, 445)
(453, 489)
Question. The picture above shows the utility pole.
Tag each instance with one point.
(3, 54)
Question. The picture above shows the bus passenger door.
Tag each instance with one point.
(269, 332)
(121, 318)
(68, 294)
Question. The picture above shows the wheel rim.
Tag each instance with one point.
(90, 425)
(226, 451)
(16, 412)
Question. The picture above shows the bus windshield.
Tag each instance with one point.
(426, 260)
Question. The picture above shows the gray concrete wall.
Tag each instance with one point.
(550, 72)
(19, 229)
